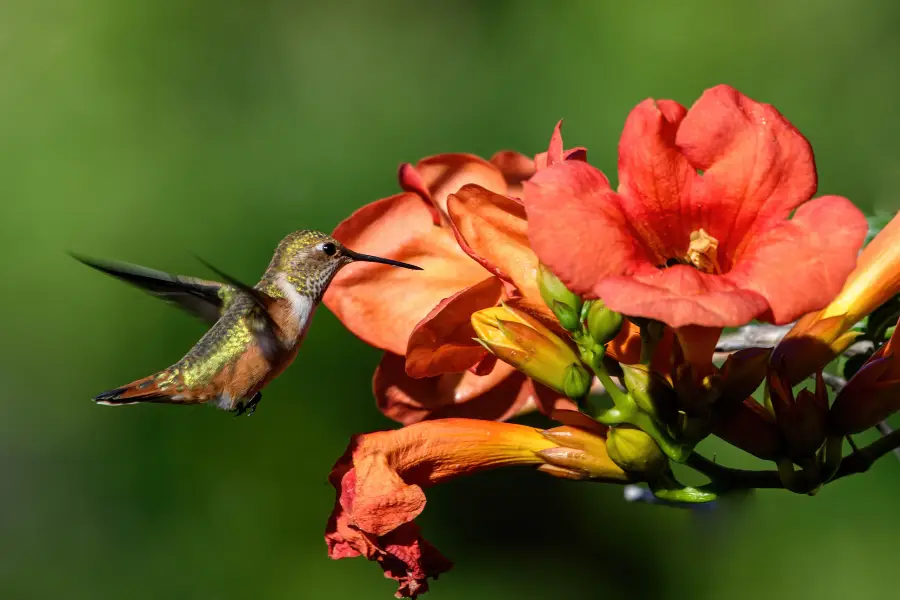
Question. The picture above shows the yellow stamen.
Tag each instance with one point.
(702, 252)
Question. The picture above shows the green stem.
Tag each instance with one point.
(726, 479)
(625, 411)
(667, 488)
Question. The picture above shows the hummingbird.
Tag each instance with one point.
(256, 331)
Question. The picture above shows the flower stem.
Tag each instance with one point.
(626, 411)
(725, 479)
(667, 488)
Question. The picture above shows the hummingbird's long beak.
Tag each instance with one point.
(356, 256)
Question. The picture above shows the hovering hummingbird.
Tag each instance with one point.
(256, 331)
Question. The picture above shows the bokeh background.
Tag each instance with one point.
(152, 130)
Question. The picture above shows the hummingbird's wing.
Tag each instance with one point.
(266, 331)
(201, 298)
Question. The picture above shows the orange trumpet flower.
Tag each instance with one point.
(380, 483)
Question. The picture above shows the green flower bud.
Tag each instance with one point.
(635, 451)
(650, 391)
(603, 324)
(564, 304)
(576, 381)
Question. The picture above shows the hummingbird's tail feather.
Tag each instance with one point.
(155, 388)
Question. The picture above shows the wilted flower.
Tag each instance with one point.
(380, 480)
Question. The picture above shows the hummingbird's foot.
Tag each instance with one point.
(250, 407)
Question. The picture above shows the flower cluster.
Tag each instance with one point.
(546, 289)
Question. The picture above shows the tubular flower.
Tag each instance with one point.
(380, 479)
(819, 337)
(698, 231)
(872, 394)
(456, 221)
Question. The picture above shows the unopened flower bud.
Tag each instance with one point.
(635, 451)
(565, 304)
(802, 419)
(871, 395)
(579, 455)
(742, 374)
(525, 343)
(603, 324)
(811, 344)
(650, 391)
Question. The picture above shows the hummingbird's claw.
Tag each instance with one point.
(248, 407)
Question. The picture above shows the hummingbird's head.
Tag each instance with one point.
(310, 260)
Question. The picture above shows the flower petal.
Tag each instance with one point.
(556, 153)
(411, 181)
(756, 166)
(654, 177)
(493, 230)
(499, 395)
(577, 228)
(379, 481)
(800, 265)
(680, 296)
(373, 517)
(443, 341)
(516, 168)
(382, 304)
(443, 174)
(875, 279)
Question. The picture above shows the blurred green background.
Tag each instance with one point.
(150, 130)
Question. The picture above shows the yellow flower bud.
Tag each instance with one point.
(525, 343)
(635, 451)
(580, 454)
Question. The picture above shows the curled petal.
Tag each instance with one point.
(444, 174)
(501, 394)
(492, 229)
(443, 341)
(381, 304)
(556, 153)
(411, 181)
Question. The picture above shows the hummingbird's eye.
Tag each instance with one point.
(329, 248)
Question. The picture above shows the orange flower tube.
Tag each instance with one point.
(380, 480)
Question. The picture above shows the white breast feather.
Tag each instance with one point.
(301, 305)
